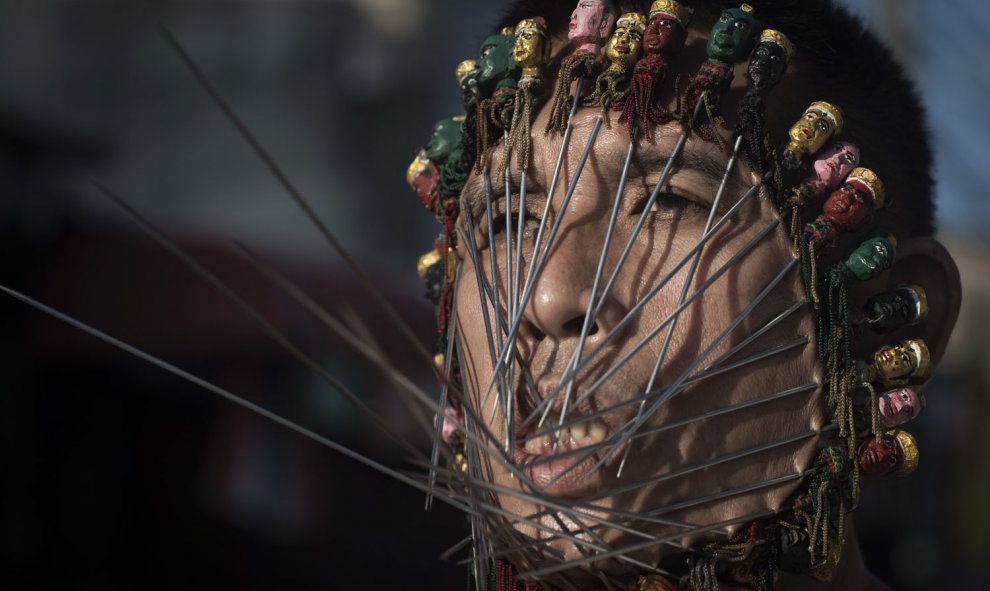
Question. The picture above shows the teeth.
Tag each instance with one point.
(597, 431)
(575, 436)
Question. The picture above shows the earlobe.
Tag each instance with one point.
(925, 262)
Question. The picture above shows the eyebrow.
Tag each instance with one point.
(709, 170)
(649, 161)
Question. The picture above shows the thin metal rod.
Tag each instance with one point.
(636, 309)
(639, 307)
(692, 269)
(692, 468)
(540, 255)
(442, 405)
(496, 305)
(631, 427)
(664, 175)
(275, 334)
(295, 194)
(610, 230)
(226, 394)
(676, 424)
(632, 549)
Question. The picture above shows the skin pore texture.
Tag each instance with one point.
(553, 318)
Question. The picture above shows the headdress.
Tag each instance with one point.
(632, 20)
(831, 112)
(909, 452)
(871, 181)
(775, 36)
(673, 9)
(921, 354)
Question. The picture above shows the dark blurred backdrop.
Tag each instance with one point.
(114, 475)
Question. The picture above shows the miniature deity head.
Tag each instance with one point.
(495, 60)
(909, 360)
(819, 123)
(623, 47)
(733, 35)
(872, 256)
(833, 165)
(445, 139)
(667, 25)
(423, 177)
(853, 203)
(591, 23)
(899, 406)
(894, 452)
(897, 308)
(532, 48)
(769, 61)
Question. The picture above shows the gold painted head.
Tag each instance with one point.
(819, 123)
(908, 361)
(623, 47)
(872, 182)
(532, 48)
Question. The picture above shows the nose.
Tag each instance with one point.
(561, 296)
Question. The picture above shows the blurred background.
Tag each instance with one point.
(114, 475)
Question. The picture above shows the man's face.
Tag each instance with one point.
(662, 32)
(899, 406)
(736, 266)
(586, 21)
(623, 47)
(731, 38)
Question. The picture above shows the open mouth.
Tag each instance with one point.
(807, 132)
(562, 462)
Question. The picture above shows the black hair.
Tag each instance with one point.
(837, 60)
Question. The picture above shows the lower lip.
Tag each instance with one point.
(571, 26)
(807, 133)
(567, 478)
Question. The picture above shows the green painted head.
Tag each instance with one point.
(871, 257)
(495, 61)
(734, 35)
(445, 140)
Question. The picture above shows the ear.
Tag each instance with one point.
(922, 261)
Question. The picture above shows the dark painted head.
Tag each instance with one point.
(769, 61)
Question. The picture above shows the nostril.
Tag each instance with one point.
(575, 325)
